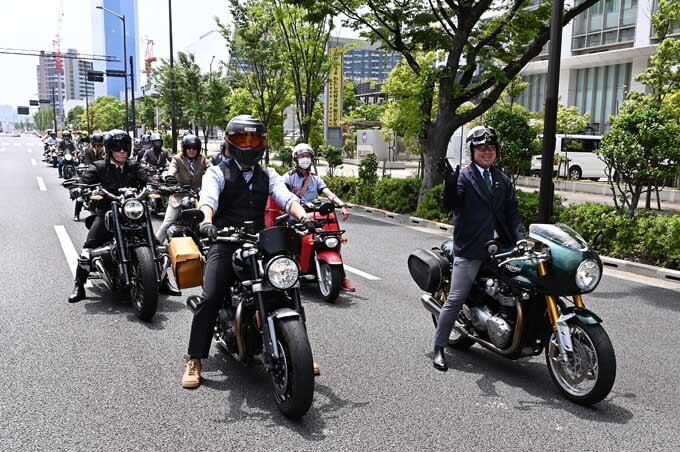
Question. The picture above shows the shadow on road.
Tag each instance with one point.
(310, 294)
(249, 397)
(533, 378)
(656, 296)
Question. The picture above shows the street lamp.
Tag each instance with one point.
(122, 17)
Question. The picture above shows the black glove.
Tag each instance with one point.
(309, 224)
(208, 230)
(444, 168)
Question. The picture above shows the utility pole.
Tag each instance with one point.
(132, 82)
(54, 109)
(87, 107)
(547, 188)
(173, 120)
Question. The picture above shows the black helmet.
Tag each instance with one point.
(96, 138)
(117, 139)
(154, 138)
(246, 139)
(482, 135)
(191, 141)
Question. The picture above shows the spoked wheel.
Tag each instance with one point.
(69, 171)
(589, 374)
(293, 374)
(144, 284)
(330, 280)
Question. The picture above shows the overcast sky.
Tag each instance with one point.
(32, 24)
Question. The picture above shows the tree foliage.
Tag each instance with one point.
(44, 118)
(106, 113)
(349, 99)
(73, 117)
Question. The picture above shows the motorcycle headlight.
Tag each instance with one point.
(68, 157)
(331, 242)
(588, 275)
(282, 273)
(133, 209)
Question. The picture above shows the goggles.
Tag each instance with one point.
(483, 135)
(245, 140)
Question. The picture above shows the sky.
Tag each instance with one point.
(32, 24)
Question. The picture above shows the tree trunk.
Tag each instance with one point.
(434, 147)
(635, 199)
(648, 200)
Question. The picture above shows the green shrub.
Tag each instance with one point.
(285, 156)
(368, 178)
(279, 168)
(344, 187)
(333, 157)
(397, 195)
(431, 207)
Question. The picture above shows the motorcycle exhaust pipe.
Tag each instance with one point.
(430, 304)
(99, 265)
(194, 302)
(99, 252)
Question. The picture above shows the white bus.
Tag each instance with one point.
(575, 157)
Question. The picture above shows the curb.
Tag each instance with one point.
(637, 268)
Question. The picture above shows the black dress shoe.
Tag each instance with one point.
(77, 294)
(168, 288)
(76, 218)
(438, 359)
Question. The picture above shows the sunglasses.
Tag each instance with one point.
(191, 148)
(247, 140)
(119, 150)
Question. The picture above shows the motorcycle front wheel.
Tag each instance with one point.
(144, 284)
(69, 171)
(330, 280)
(588, 376)
(293, 375)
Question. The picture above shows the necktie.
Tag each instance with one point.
(192, 169)
(487, 180)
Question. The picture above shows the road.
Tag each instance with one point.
(90, 376)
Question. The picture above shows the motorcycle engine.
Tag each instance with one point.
(498, 324)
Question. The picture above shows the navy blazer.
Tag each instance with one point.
(476, 212)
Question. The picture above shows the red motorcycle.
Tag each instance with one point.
(319, 255)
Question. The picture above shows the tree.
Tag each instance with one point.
(305, 33)
(73, 117)
(368, 112)
(515, 89)
(349, 97)
(240, 103)
(106, 113)
(569, 120)
(146, 112)
(642, 145)
(43, 118)
(167, 81)
(484, 45)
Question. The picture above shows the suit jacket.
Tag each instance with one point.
(106, 173)
(179, 167)
(477, 212)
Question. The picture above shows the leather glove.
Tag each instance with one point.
(309, 224)
(208, 230)
(444, 168)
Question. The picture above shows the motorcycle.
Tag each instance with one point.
(262, 313)
(319, 255)
(527, 300)
(158, 204)
(69, 168)
(78, 192)
(130, 262)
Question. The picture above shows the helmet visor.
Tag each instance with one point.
(245, 140)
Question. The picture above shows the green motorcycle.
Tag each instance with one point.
(528, 300)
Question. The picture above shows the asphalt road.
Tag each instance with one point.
(90, 376)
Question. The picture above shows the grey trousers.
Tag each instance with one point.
(462, 276)
(171, 215)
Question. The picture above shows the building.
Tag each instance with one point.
(363, 61)
(76, 85)
(107, 39)
(51, 85)
(603, 50)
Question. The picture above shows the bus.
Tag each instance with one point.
(575, 157)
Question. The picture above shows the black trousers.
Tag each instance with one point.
(97, 236)
(217, 278)
(79, 207)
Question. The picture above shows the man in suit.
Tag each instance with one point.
(484, 205)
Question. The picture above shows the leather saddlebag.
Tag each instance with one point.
(186, 261)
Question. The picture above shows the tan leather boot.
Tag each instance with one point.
(192, 374)
(317, 369)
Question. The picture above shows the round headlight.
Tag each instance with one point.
(282, 273)
(331, 242)
(133, 209)
(588, 275)
(68, 157)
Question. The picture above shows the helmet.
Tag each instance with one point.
(301, 148)
(117, 139)
(66, 134)
(138, 143)
(49, 131)
(482, 135)
(97, 138)
(246, 139)
(84, 134)
(145, 138)
(223, 147)
(156, 137)
(191, 141)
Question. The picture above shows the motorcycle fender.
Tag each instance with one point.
(89, 220)
(283, 313)
(584, 315)
(331, 257)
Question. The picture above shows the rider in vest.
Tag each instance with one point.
(233, 192)
(156, 156)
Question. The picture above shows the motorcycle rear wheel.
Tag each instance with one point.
(589, 375)
(330, 281)
(144, 289)
(293, 376)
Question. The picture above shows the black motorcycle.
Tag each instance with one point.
(159, 201)
(262, 314)
(70, 165)
(130, 262)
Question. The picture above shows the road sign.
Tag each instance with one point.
(115, 73)
(22, 111)
(33, 103)
(95, 76)
(44, 101)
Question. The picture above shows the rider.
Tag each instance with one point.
(308, 186)
(156, 156)
(484, 205)
(188, 167)
(66, 146)
(224, 153)
(137, 150)
(115, 172)
(84, 137)
(233, 192)
(146, 142)
(91, 155)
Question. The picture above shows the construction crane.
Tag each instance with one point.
(58, 65)
(148, 59)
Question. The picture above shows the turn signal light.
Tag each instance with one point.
(154, 196)
(310, 241)
(96, 198)
(343, 240)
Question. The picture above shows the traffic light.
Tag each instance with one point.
(95, 76)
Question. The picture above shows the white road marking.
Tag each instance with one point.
(361, 273)
(17, 144)
(30, 150)
(69, 250)
(33, 162)
(41, 183)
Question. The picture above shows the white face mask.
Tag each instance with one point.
(304, 162)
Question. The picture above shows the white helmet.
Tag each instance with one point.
(302, 148)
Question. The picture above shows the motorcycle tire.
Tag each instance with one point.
(294, 386)
(144, 289)
(456, 340)
(589, 341)
(69, 171)
(330, 281)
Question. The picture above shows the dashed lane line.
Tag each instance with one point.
(41, 183)
(33, 162)
(69, 250)
(361, 273)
